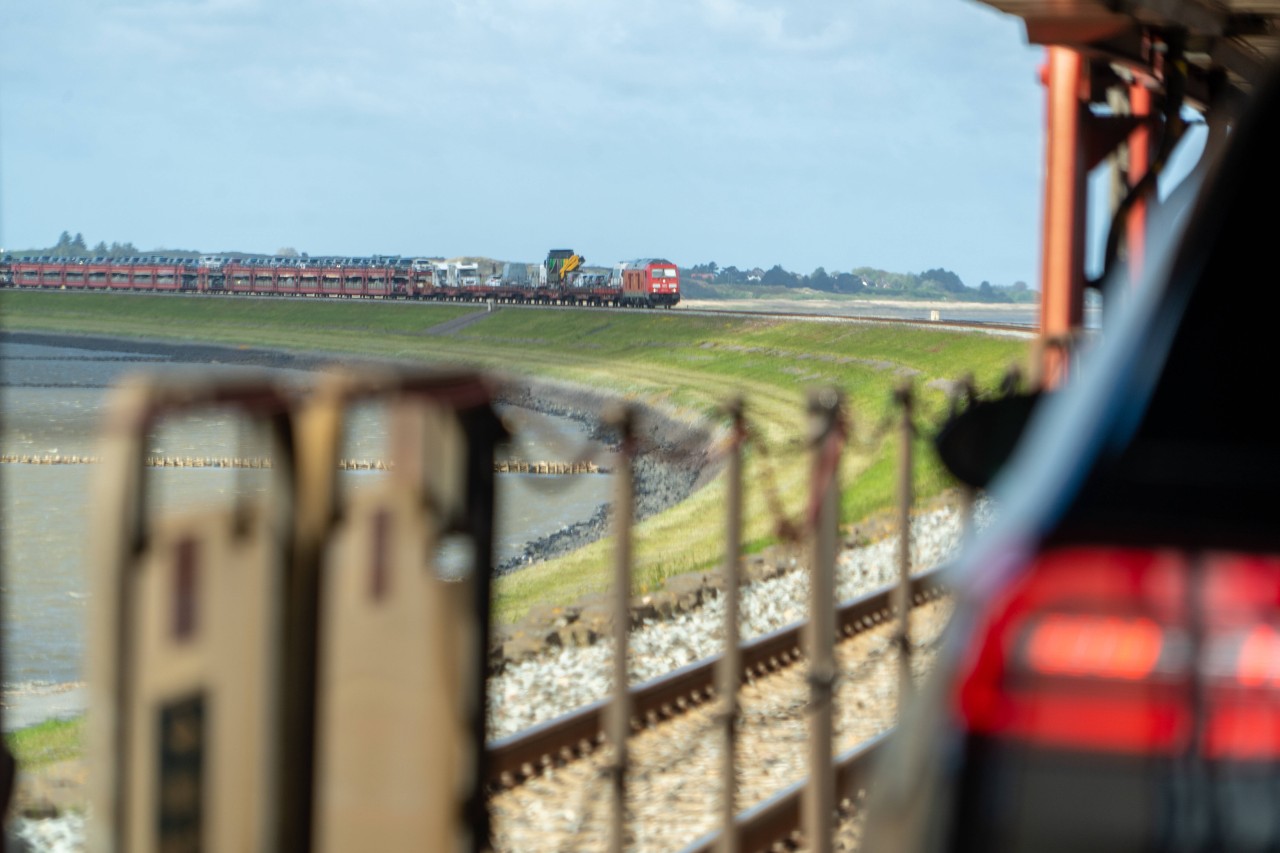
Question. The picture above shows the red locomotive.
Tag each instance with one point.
(652, 282)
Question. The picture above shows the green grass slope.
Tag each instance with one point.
(687, 363)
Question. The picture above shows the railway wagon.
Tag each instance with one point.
(226, 278)
(653, 282)
(647, 283)
(72, 275)
(361, 282)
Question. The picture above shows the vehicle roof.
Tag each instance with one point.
(644, 262)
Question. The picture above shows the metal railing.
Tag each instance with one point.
(316, 682)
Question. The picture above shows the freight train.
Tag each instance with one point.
(561, 279)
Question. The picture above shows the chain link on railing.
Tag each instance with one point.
(372, 537)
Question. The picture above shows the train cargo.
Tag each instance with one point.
(561, 280)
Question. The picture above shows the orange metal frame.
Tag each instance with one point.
(1140, 140)
(1062, 247)
(1076, 141)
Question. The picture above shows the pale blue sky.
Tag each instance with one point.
(902, 134)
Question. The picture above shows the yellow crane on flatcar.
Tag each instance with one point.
(559, 265)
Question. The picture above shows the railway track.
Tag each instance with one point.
(959, 325)
(547, 782)
(1021, 329)
(1028, 331)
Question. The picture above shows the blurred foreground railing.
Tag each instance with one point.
(292, 672)
(300, 670)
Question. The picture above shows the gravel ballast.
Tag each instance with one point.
(543, 688)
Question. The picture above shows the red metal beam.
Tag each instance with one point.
(1135, 239)
(1062, 248)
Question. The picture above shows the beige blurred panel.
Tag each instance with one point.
(392, 742)
(429, 450)
(201, 714)
(183, 648)
(114, 524)
(318, 434)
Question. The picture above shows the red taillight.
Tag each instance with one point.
(1085, 645)
(1116, 650)
(1258, 662)
(1077, 654)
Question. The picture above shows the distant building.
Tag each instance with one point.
(756, 274)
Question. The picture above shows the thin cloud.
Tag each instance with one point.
(827, 132)
(773, 27)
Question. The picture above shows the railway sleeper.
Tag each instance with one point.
(856, 617)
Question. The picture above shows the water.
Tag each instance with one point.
(52, 401)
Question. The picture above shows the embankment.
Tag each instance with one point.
(673, 459)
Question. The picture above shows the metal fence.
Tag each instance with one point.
(295, 671)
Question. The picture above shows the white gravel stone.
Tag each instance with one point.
(542, 689)
(62, 834)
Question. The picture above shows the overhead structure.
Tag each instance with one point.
(1118, 74)
(1235, 37)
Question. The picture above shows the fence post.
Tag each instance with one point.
(620, 710)
(484, 433)
(965, 392)
(727, 674)
(903, 398)
(824, 514)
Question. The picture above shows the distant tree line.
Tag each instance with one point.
(69, 246)
(936, 283)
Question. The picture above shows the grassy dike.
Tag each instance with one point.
(687, 364)
(47, 742)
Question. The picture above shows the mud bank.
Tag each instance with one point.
(673, 458)
(673, 451)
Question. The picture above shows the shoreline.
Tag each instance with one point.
(27, 705)
(673, 460)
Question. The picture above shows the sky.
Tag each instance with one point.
(834, 133)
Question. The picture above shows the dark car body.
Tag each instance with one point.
(1111, 680)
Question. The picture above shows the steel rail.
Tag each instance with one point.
(985, 325)
(777, 820)
(517, 757)
(1029, 329)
